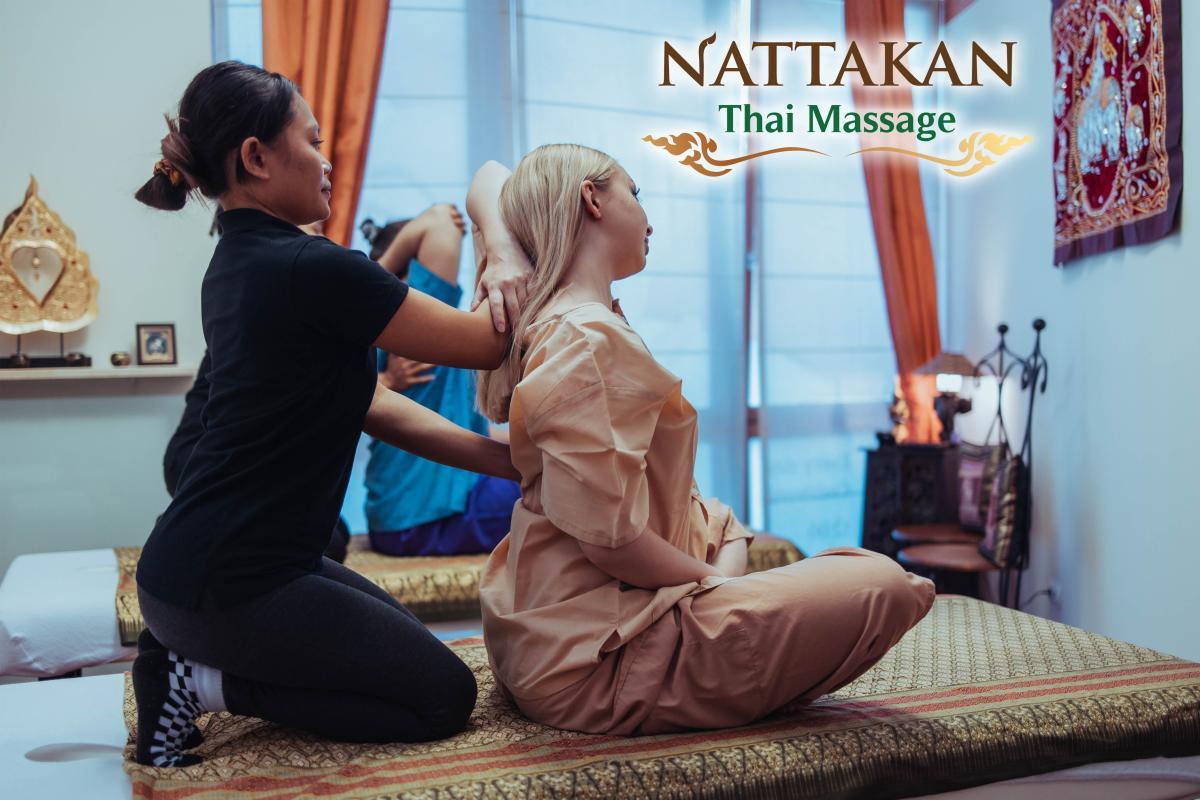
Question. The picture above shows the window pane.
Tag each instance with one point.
(245, 32)
(815, 496)
(425, 54)
(827, 363)
(418, 141)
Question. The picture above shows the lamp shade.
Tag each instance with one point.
(947, 364)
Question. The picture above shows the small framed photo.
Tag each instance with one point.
(156, 343)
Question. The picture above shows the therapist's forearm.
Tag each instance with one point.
(649, 562)
(401, 422)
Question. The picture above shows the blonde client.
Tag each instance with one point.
(618, 603)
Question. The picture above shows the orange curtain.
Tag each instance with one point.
(898, 217)
(333, 50)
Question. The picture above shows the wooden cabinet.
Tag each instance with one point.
(906, 484)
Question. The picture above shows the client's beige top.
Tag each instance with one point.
(605, 443)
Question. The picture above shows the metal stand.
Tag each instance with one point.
(19, 360)
(1034, 370)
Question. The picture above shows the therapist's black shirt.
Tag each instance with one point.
(289, 320)
(191, 425)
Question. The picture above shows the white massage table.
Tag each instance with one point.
(64, 739)
(58, 615)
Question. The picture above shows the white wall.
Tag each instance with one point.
(1117, 433)
(83, 89)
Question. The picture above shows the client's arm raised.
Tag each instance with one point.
(505, 267)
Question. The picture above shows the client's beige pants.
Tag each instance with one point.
(735, 653)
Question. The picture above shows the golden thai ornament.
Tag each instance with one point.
(45, 281)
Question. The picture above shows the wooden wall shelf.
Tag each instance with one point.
(97, 373)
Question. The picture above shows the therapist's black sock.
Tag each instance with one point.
(147, 642)
(168, 705)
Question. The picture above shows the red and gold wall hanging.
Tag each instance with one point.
(1118, 115)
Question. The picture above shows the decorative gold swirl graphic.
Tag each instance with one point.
(697, 146)
(977, 146)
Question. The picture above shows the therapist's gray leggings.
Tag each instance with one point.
(330, 653)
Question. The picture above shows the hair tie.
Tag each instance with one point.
(164, 167)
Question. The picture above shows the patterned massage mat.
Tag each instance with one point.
(432, 587)
(975, 693)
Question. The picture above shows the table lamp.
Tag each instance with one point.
(949, 369)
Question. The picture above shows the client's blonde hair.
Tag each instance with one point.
(541, 205)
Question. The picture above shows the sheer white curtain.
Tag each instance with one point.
(823, 353)
(439, 113)
(237, 30)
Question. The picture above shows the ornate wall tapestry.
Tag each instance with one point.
(1118, 115)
